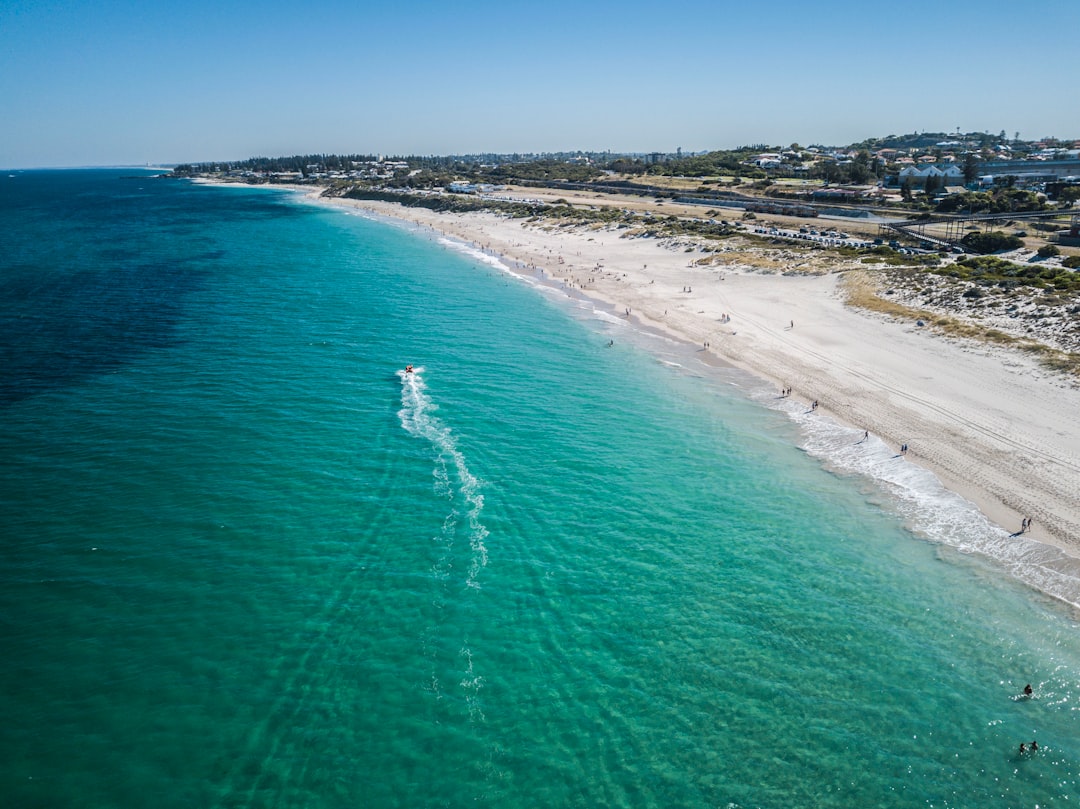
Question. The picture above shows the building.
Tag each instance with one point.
(916, 176)
(1032, 171)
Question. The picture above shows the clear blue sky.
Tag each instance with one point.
(133, 81)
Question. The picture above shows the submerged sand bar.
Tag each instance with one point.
(991, 423)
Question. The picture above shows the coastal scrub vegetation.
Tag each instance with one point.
(562, 212)
(990, 242)
(893, 258)
(711, 164)
(297, 164)
(460, 203)
(453, 203)
(994, 271)
(998, 200)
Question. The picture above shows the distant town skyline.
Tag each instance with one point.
(112, 83)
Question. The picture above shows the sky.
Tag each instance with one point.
(130, 82)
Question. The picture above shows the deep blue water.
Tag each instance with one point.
(248, 562)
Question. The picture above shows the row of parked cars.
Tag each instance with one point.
(836, 238)
(828, 238)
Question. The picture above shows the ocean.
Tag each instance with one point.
(248, 561)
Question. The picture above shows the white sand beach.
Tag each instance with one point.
(993, 425)
(989, 421)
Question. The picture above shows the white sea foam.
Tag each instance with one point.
(927, 507)
(473, 252)
(453, 479)
(471, 683)
(607, 317)
(515, 269)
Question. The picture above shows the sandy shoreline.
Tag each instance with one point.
(989, 422)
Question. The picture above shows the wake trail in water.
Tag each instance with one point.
(453, 480)
(455, 483)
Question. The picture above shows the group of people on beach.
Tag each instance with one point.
(785, 392)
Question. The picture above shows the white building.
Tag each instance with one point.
(950, 174)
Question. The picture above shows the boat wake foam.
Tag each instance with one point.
(453, 480)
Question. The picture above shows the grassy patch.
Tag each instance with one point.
(994, 271)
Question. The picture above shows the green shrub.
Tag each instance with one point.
(991, 242)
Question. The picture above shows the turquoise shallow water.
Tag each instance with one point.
(248, 562)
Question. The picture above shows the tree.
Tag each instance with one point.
(971, 168)
(1069, 194)
(859, 170)
(991, 242)
(832, 173)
